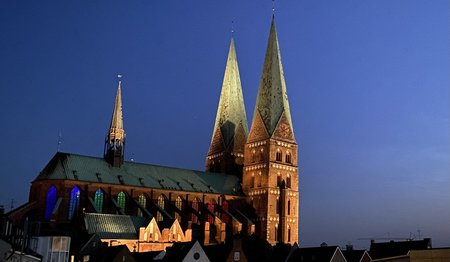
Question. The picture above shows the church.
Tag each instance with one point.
(250, 184)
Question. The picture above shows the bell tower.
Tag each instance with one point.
(115, 140)
(226, 152)
(270, 179)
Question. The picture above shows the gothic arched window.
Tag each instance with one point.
(195, 206)
(289, 207)
(252, 182)
(261, 155)
(74, 202)
(279, 155)
(288, 157)
(288, 181)
(289, 233)
(50, 202)
(276, 233)
(161, 204)
(121, 199)
(224, 215)
(98, 200)
(179, 206)
(212, 208)
(259, 179)
(278, 179)
(253, 156)
(142, 200)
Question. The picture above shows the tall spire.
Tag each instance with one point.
(270, 176)
(115, 140)
(272, 100)
(230, 128)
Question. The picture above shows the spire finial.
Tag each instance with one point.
(273, 7)
(232, 28)
(119, 78)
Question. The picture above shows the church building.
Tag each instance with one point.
(250, 185)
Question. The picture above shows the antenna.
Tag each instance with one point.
(59, 141)
(12, 204)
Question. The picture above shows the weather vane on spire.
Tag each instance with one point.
(232, 28)
(119, 77)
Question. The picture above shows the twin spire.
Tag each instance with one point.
(230, 131)
(272, 109)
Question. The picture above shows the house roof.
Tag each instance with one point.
(398, 248)
(108, 226)
(93, 169)
(313, 254)
(353, 255)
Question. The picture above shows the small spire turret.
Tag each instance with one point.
(115, 140)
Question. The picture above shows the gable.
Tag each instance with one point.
(283, 130)
(258, 130)
(196, 253)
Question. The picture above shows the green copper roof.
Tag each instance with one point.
(272, 97)
(93, 169)
(108, 226)
(231, 110)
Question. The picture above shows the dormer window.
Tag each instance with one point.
(253, 156)
(141, 181)
(121, 179)
(75, 175)
(99, 177)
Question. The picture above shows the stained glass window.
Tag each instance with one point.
(211, 207)
(74, 202)
(179, 205)
(98, 200)
(159, 216)
(143, 202)
(121, 198)
(50, 202)
(195, 206)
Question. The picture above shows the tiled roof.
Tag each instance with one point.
(94, 169)
(313, 254)
(108, 226)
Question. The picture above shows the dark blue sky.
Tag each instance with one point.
(368, 83)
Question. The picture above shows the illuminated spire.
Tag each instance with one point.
(230, 131)
(231, 111)
(272, 100)
(115, 140)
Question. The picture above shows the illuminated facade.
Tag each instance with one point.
(250, 184)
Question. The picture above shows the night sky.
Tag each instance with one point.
(368, 85)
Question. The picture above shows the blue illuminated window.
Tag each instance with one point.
(74, 201)
(50, 203)
(98, 200)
